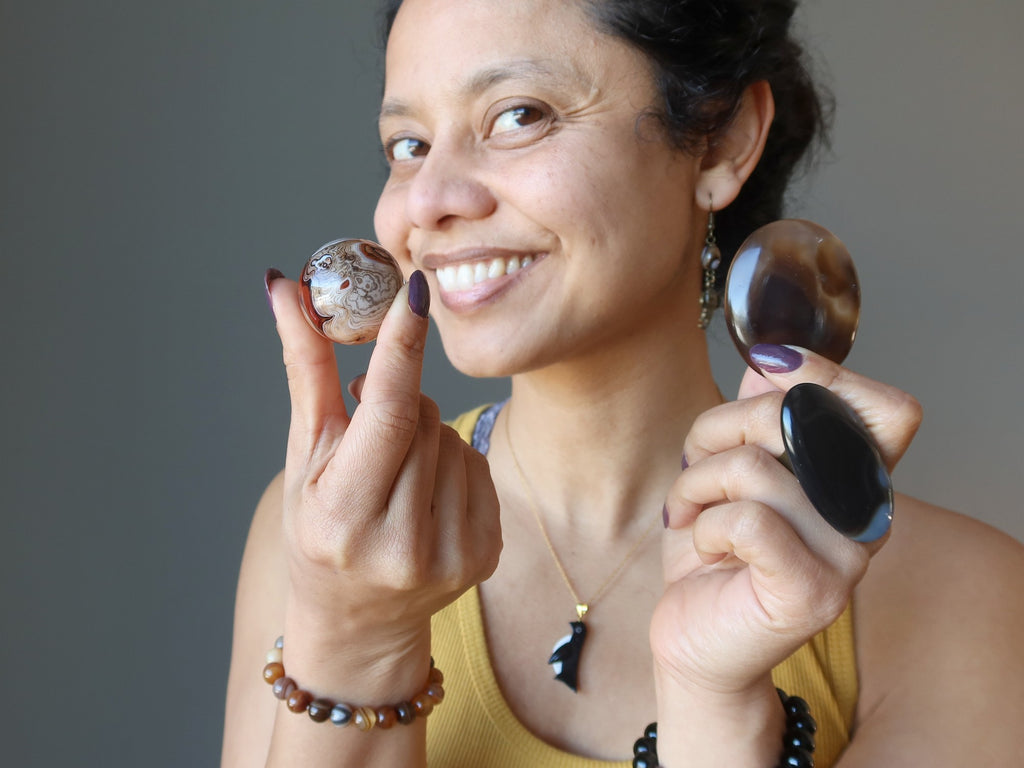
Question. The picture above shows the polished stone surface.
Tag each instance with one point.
(793, 282)
(347, 287)
(837, 462)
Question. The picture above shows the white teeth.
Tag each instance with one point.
(446, 277)
(464, 276)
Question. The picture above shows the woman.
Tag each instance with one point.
(553, 166)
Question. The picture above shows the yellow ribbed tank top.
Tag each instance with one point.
(475, 728)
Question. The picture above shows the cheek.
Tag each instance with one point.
(389, 227)
(572, 198)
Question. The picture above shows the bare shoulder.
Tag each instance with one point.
(259, 617)
(940, 625)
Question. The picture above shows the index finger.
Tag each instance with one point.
(892, 415)
(312, 370)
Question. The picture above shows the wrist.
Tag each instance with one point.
(795, 751)
(379, 663)
(700, 726)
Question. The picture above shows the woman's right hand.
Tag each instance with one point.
(388, 514)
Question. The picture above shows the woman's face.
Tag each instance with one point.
(551, 221)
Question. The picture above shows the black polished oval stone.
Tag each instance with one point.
(793, 282)
(837, 462)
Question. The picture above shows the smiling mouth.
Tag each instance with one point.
(462, 277)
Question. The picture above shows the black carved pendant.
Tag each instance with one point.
(566, 657)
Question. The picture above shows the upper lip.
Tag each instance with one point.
(437, 259)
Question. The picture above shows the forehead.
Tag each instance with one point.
(471, 44)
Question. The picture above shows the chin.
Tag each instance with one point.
(479, 363)
(480, 358)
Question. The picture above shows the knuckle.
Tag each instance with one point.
(394, 423)
(827, 605)
(754, 521)
(908, 410)
(749, 461)
(763, 409)
(430, 414)
(410, 342)
(828, 593)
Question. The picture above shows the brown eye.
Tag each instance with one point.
(516, 117)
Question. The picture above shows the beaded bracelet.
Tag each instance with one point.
(363, 718)
(797, 742)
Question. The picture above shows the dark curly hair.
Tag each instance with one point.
(704, 54)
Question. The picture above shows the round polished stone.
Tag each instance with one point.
(793, 282)
(837, 462)
(347, 287)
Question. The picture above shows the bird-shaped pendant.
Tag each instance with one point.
(566, 658)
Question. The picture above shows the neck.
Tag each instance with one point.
(599, 439)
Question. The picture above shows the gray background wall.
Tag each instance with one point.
(156, 157)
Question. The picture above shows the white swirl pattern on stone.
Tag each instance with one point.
(347, 287)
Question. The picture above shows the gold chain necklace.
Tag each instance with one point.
(566, 657)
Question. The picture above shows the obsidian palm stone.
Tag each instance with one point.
(793, 282)
(837, 462)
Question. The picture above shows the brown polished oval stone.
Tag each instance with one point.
(347, 287)
(793, 282)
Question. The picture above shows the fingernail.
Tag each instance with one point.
(684, 462)
(664, 514)
(775, 358)
(419, 294)
(270, 276)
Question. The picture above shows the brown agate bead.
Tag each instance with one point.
(793, 282)
(435, 692)
(299, 700)
(386, 717)
(284, 687)
(364, 718)
(405, 712)
(273, 672)
(422, 704)
(320, 709)
(347, 287)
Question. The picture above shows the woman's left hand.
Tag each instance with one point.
(752, 571)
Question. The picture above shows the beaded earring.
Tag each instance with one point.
(710, 261)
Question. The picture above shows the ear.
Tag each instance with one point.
(733, 155)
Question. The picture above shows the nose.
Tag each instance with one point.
(447, 187)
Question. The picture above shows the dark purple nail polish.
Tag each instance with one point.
(684, 463)
(664, 514)
(270, 276)
(419, 294)
(775, 358)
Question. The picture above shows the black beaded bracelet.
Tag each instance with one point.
(797, 742)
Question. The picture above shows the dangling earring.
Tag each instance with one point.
(710, 261)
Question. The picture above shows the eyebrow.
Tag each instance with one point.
(519, 69)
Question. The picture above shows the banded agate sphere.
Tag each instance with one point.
(347, 287)
(793, 282)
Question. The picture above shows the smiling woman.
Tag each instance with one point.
(553, 167)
